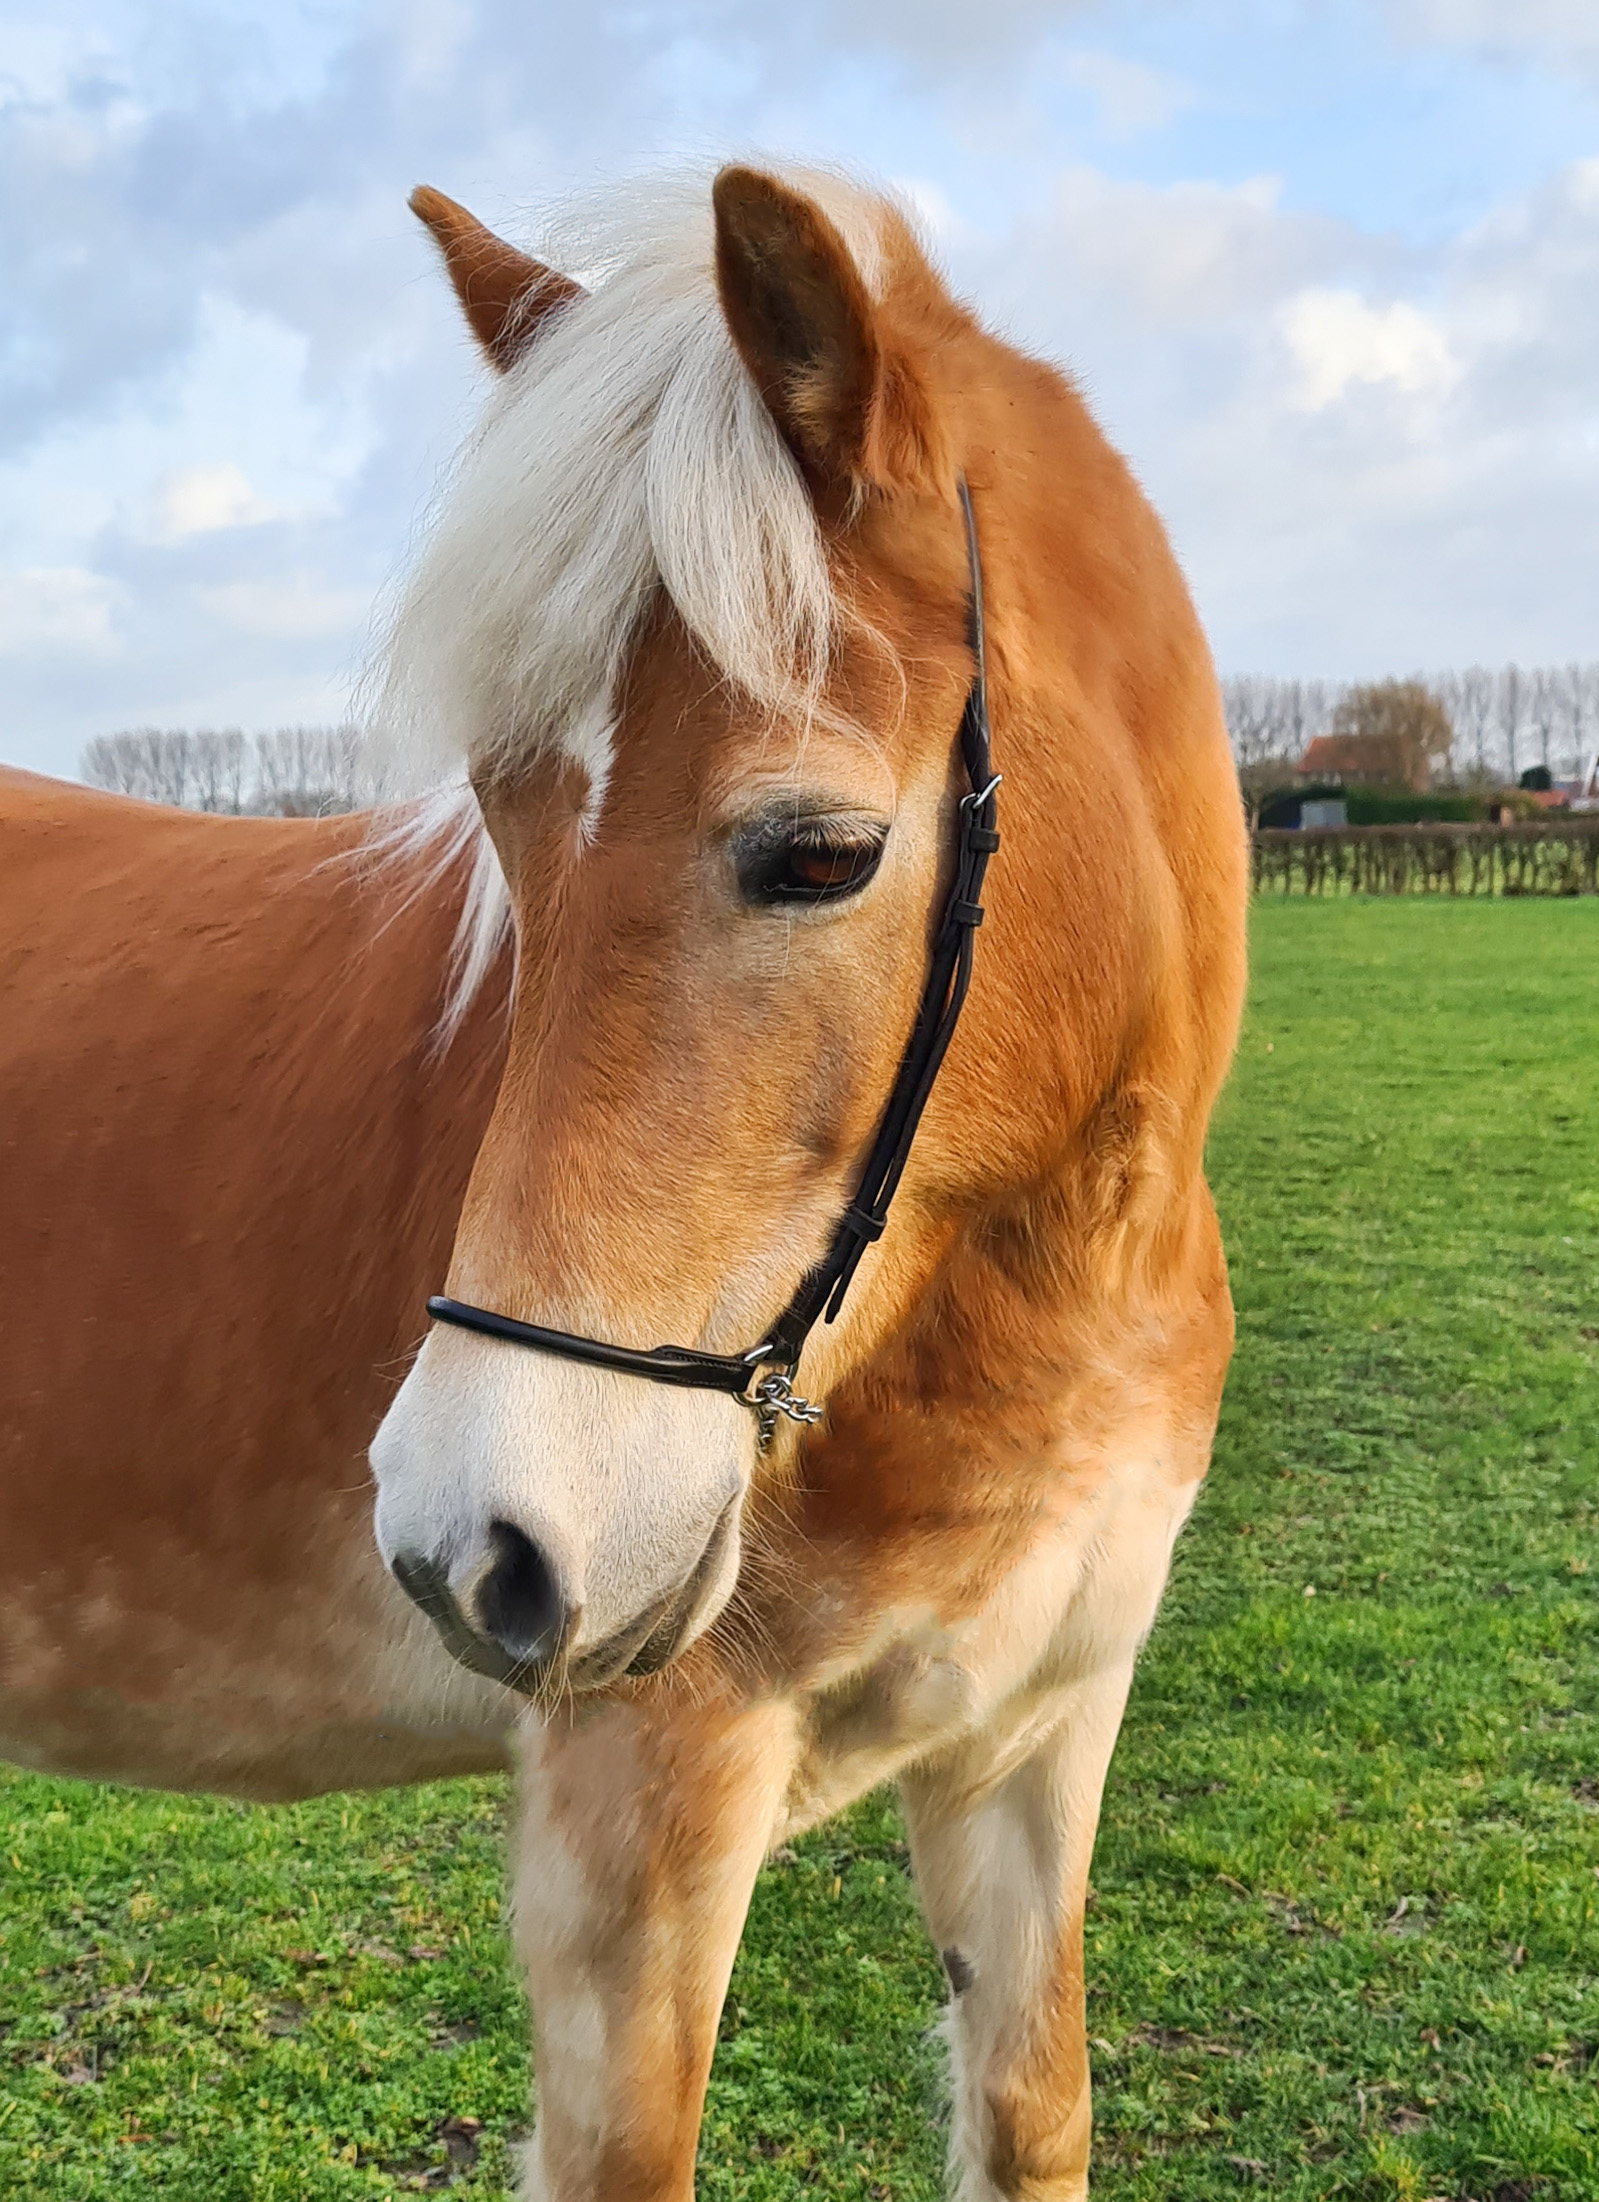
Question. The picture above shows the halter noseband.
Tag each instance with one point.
(762, 1378)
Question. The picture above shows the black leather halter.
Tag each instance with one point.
(762, 1378)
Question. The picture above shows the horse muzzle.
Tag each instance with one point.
(513, 1622)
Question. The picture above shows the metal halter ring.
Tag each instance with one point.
(774, 1395)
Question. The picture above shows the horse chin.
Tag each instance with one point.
(675, 1621)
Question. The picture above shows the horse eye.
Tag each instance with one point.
(826, 871)
(811, 867)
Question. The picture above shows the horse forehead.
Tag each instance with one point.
(687, 761)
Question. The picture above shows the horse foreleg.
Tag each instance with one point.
(640, 1838)
(1001, 1837)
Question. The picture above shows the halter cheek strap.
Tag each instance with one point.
(762, 1378)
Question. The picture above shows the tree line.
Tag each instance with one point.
(1489, 727)
(293, 772)
(1500, 722)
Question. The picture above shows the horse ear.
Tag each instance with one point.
(803, 322)
(504, 294)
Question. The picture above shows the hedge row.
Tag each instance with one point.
(1551, 856)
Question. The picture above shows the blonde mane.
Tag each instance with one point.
(627, 451)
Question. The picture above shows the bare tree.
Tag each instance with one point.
(1576, 686)
(218, 771)
(1246, 702)
(146, 763)
(303, 771)
(1511, 702)
(1470, 704)
(1269, 721)
(1543, 712)
(1305, 710)
(300, 771)
(110, 761)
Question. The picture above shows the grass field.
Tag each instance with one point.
(1345, 1934)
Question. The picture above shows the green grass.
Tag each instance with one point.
(1345, 1932)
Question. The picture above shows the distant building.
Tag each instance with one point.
(1289, 808)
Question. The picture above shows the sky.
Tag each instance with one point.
(1328, 271)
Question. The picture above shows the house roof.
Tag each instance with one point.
(1335, 753)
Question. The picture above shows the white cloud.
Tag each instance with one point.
(217, 311)
(1564, 33)
(935, 213)
(429, 35)
(39, 59)
(204, 500)
(233, 434)
(1372, 455)
(927, 32)
(1131, 97)
(45, 609)
(1166, 256)
(1338, 339)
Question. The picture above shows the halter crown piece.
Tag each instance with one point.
(763, 1378)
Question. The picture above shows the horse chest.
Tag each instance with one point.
(925, 1683)
(1081, 1594)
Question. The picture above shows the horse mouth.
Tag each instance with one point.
(644, 1646)
(654, 1640)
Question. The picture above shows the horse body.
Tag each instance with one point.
(719, 865)
(232, 1163)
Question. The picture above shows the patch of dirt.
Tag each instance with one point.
(1174, 2041)
(460, 2138)
(1406, 2119)
(452, 2037)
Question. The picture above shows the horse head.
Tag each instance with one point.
(695, 616)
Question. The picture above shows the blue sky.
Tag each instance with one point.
(1329, 270)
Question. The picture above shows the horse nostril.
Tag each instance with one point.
(518, 1604)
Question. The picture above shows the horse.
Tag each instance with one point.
(598, 1036)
